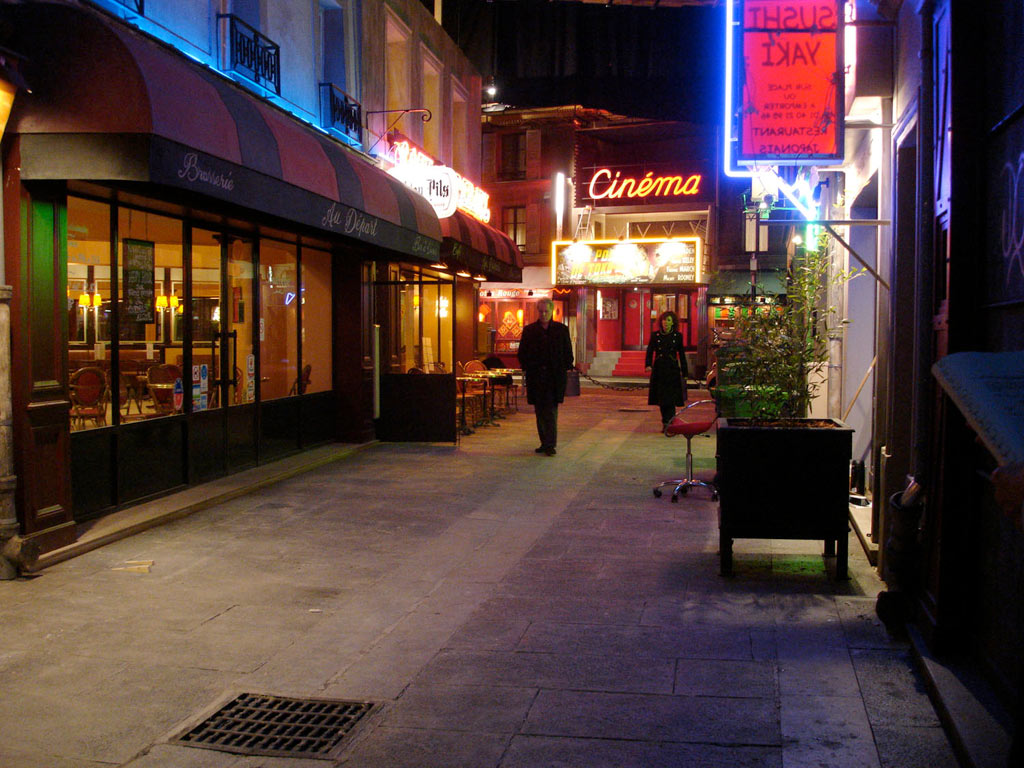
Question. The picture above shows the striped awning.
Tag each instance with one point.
(480, 248)
(110, 104)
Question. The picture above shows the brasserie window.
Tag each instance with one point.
(135, 294)
(315, 375)
(423, 337)
(88, 312)
(278, 326)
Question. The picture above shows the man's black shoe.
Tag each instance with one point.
(550, 450)
(541, 449)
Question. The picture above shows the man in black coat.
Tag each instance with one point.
(545, 353)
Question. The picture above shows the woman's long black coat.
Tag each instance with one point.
(667, 361)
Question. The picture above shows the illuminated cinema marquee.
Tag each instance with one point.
(790, 83)
(641, 261)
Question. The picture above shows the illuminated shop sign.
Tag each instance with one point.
(791, 81)
(445, 189)
(515, 293)
(627, 262)
(630, 185)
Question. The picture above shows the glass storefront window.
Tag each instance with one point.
(150, 276)
(88, 307)
(316, 321)
(155, 309)
(278, 325)
(426, 322)
(241, 350)
(206, 319)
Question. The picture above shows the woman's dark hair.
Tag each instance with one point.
(675, 320)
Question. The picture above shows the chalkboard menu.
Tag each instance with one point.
(137, 288)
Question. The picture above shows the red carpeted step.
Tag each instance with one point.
(631, 363)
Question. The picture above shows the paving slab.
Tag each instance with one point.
(556, 752)
(692, 719)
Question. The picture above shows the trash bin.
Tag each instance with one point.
(572, 384)
(901, 546)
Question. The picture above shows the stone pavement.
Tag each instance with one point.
(504, 608)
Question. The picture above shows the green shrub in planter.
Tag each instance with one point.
(780, 474)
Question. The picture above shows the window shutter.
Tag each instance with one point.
(533, 160)
(533, 222)
(487, 152)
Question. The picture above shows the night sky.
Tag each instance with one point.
(663, 63)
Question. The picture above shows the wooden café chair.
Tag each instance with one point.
(89, 395)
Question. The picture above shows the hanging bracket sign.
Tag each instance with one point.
(791, 82)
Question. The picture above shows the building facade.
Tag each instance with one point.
(925, 201)
(619, 221)
(202, 238)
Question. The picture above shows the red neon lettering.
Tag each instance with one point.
(603, 184)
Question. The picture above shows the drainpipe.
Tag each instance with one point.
(925, 269)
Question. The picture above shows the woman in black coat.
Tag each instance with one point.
(667, 361)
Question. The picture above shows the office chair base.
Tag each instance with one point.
(682, 486)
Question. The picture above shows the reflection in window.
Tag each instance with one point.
(278, 330)
(316, 322)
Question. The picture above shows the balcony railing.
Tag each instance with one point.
(252, 54)
(340, 112)
(136, 5)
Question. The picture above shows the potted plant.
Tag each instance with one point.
(780, 473)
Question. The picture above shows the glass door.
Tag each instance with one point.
(222, 391)
(238, 354)
(661, 302)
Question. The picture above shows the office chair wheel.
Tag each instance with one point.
(683, 490)
(657, 493)
(675, 498)
(714, 495)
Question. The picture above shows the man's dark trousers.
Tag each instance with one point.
(547, 424)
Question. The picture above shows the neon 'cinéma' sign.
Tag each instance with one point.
(605, 184)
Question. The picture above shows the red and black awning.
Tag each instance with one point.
(109, 104)
(480, 248)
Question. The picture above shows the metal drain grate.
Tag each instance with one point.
(255, 724)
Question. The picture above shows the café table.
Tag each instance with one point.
(465, 383)
(489, 379)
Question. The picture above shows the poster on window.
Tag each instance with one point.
(609, 309)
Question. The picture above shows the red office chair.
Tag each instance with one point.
(689, 424)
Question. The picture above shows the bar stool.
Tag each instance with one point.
(688, 426)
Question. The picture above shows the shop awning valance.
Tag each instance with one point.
(770, 282)
(480, 248)
(109, 104)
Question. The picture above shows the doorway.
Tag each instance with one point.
(658, 301)
(222, 368)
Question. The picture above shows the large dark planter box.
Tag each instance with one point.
(417, 407)
(784, 482)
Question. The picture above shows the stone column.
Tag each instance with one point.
(8, 515)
